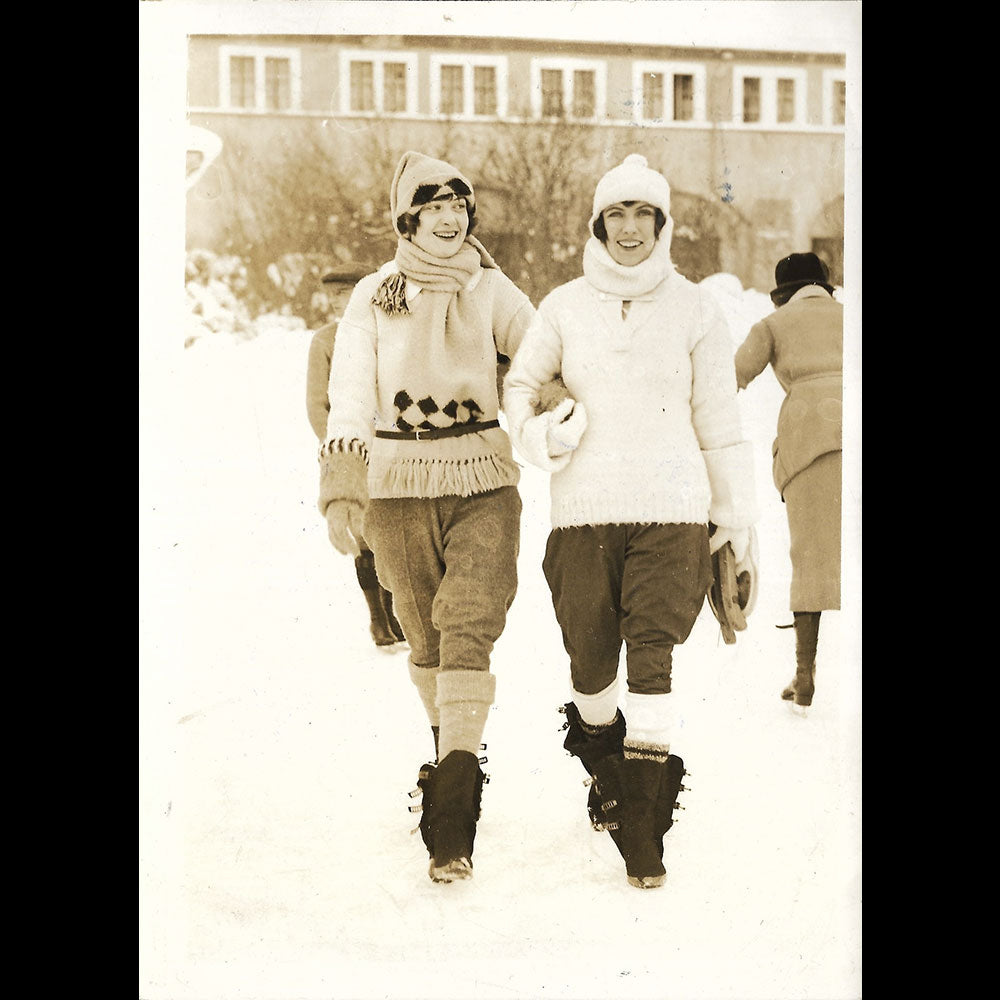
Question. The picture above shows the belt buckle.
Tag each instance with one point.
(417, 433)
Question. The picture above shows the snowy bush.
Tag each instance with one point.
(220, 301)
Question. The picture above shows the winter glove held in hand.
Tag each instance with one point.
(343, 521)
(566, 426)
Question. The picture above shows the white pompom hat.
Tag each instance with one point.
(632, 180)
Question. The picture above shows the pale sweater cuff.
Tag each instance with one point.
(531, 440)
(730, 475)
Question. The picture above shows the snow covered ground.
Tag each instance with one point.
(277, 746)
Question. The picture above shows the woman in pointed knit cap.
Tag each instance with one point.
(415, 460)
(644, 452)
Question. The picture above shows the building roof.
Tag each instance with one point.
(816, 26)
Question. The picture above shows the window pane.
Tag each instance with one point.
(786, 100)
(652, 95)
(683, 98)
(241, 81)
(362, 86)
(452, 97)
(584, 94)
(394, 83)
(840, 103)
(277, 84)
(751, 99)
(552, 97)
(485, 80)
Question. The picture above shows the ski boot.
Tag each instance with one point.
(601, 757)
(452, 801)
(652, 783)
(633, 794)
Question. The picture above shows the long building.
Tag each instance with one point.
(751, 141)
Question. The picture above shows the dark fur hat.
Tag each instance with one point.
(796, 271)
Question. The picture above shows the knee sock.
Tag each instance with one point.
(463, 699)
(650, 724)
(425, 681)
(806, 638)
(597, 710)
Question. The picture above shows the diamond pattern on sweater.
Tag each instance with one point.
(425, 414)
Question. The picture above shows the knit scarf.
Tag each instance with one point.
(436, 274)
(625, 282)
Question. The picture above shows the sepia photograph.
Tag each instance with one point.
(500, 500)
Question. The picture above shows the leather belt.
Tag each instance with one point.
(456, 430)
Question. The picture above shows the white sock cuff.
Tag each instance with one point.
(650, 719)
(598, 709)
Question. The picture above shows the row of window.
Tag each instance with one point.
(476, 86)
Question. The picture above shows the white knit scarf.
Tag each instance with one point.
(627, 282)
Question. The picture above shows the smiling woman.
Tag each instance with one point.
(646, 451)
(431, 482)
(629, 230)
(442, 224)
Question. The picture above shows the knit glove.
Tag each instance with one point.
(343, 522)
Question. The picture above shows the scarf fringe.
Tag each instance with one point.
(390, 296)
(433, 477)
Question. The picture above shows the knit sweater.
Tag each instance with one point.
(663, 442)
(434, 366)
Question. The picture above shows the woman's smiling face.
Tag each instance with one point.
(442, 224)
(631, 229)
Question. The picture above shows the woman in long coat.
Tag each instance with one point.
(803, 342)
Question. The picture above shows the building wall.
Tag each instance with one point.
(786, 183)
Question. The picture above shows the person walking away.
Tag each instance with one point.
(645, 450)
(803, 342)
(415, 460)
(384, 628)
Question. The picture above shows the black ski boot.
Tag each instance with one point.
(652, 785)
(803, 686)
(375, 595)
(633, 799)
(598, 752)
(452, 799)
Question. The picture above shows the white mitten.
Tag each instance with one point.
(745, 552)
(567, 423)
(739, 538)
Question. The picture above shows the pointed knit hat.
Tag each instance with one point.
(414, 171)
(632, 180)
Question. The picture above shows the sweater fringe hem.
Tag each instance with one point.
(423, 477)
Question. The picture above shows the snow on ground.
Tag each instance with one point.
(277, 747)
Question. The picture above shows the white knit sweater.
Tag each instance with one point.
(663, 442)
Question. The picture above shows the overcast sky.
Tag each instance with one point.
(810, 25)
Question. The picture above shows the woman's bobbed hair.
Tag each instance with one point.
(601, 232)
(407, 222)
